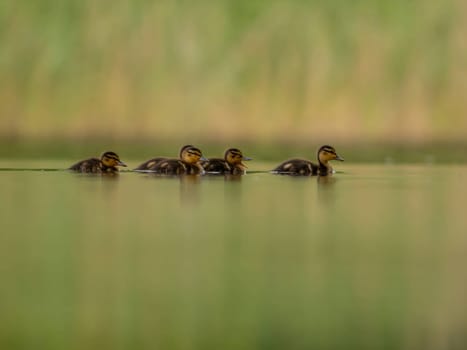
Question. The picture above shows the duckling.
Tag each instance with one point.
(231, 164)
(189, 163)
(108, 163)
(305, 167)
(149, 164)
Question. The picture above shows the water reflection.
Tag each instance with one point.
(189, 189)
(255, 254)
(226, 177)
(233, 178)
(110, 176)
(326, 180)
(233, 189)
(326, 189)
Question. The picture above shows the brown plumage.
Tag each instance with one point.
(305, 167)
(232, 163)
(189, 163)
(150, 164)
(108, 163)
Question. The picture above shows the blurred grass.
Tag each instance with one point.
(233, 70)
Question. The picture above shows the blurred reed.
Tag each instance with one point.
(233, 70)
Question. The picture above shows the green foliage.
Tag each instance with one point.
(233, 69)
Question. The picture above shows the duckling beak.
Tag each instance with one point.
(204, 159)
(338, 157)
(121, 163)
(247, 158)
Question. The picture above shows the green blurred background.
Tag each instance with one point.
(371, 258)
(221, 72)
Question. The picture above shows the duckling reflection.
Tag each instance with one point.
(188, 184)
(233, 177)
(306, 168)
(107, 164)
(233, 189)
(189, 188)
(326, 189)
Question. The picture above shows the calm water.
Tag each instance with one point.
(371, 258)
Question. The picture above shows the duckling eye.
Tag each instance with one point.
(193, 155)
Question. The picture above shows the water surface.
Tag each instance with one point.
(370, 258)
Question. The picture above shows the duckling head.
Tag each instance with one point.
(327, 153)
(235, 157)
(111, 160)
(191, 154)
(183, 149)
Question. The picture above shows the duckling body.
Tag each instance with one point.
(174, 167)
(304, 167)
(189, 163)
(297, 166)
(108, 163)
(232, 163)
(151, 163)
(216, 165)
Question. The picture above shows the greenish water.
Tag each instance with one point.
(371, 258)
